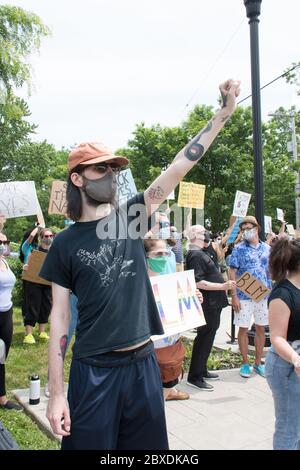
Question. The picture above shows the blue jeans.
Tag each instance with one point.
(285, 386)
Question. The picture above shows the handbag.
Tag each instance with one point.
(170, 360)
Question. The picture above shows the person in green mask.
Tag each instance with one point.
(166, 349)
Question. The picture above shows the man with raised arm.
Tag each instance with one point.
(115, 398)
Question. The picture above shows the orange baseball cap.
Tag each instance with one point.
(93, 152)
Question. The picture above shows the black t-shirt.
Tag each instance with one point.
(290, 295)
(206, 270)
(212, 254)
(116, 305)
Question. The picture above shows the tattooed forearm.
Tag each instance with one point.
(156, 193)
(63, 346)
(225, 118)
(194, 150)
(224, 99)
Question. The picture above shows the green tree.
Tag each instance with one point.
(20, 35)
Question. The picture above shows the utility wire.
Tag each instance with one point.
(272, 81)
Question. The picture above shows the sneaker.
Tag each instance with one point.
(177, 395)
(200, 385)
(11, 405)
(211, 376)
(245, 371)
(46, 391)
(29, 339)
(260, 370)
(44, 335)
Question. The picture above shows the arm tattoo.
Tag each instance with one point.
(156, 193)
(63, 346)
(224, 99)
(194, 150)
(225, 118)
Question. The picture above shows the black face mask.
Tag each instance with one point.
(101, 190)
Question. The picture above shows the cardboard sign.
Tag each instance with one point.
(18, 199)
(126, 186)
(252, 287)
(177, 303)
(290, 229)
(280, 214)
(241, 204)
(191, 195)
(268, 224)
(40, 216)
(35, 263)
(58, 201)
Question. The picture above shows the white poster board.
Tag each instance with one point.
(126, 185)
(268, 224)
(241, 204)
(18, 199)
(177, 303)
(280, 215)
(290, 229)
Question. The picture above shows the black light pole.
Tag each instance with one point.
(253, 12)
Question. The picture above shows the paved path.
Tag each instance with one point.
(238, 414)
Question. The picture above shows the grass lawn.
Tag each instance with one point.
(23, 361)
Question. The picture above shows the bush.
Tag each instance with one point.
(16, 267)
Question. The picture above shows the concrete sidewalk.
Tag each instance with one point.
(238, 414)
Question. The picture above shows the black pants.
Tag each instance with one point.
(116, 402)
(203, 344)
(6, 333)
(37, 303)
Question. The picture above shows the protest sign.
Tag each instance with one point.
(58, 201)
(280, 214)
(290, 229)
(268, 224)
(18, 199)
(235, 229)
(126, 186)
(191, 195)
(35, 263)
(177, 303)
(252, 287)
(241, 204)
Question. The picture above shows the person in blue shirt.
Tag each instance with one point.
(251, 255)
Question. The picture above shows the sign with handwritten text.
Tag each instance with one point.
(241, 203)
(177, 302)
(58, 200)
(191, 195)
(252, 287)
(18, 199)
(126, 186)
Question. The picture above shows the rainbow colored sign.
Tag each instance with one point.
(177, 303)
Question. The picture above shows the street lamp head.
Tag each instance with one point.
(252, 8)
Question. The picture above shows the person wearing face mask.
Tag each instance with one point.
(158, 253)
(210, 282)
(7, 282)
(115, 398)
(37, 297)
(250, 255)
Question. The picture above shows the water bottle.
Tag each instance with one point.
(34, 390)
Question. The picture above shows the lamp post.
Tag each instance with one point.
(253, 12)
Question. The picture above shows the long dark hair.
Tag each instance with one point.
(74, 200)
(284, 258)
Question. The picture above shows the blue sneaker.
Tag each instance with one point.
(245, 371)
(260, 370)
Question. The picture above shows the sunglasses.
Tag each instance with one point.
(4, 242)
(102, 167)
(48, 236)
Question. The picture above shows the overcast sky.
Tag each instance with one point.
(111, 64)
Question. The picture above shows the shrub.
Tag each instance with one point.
(16, 267)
